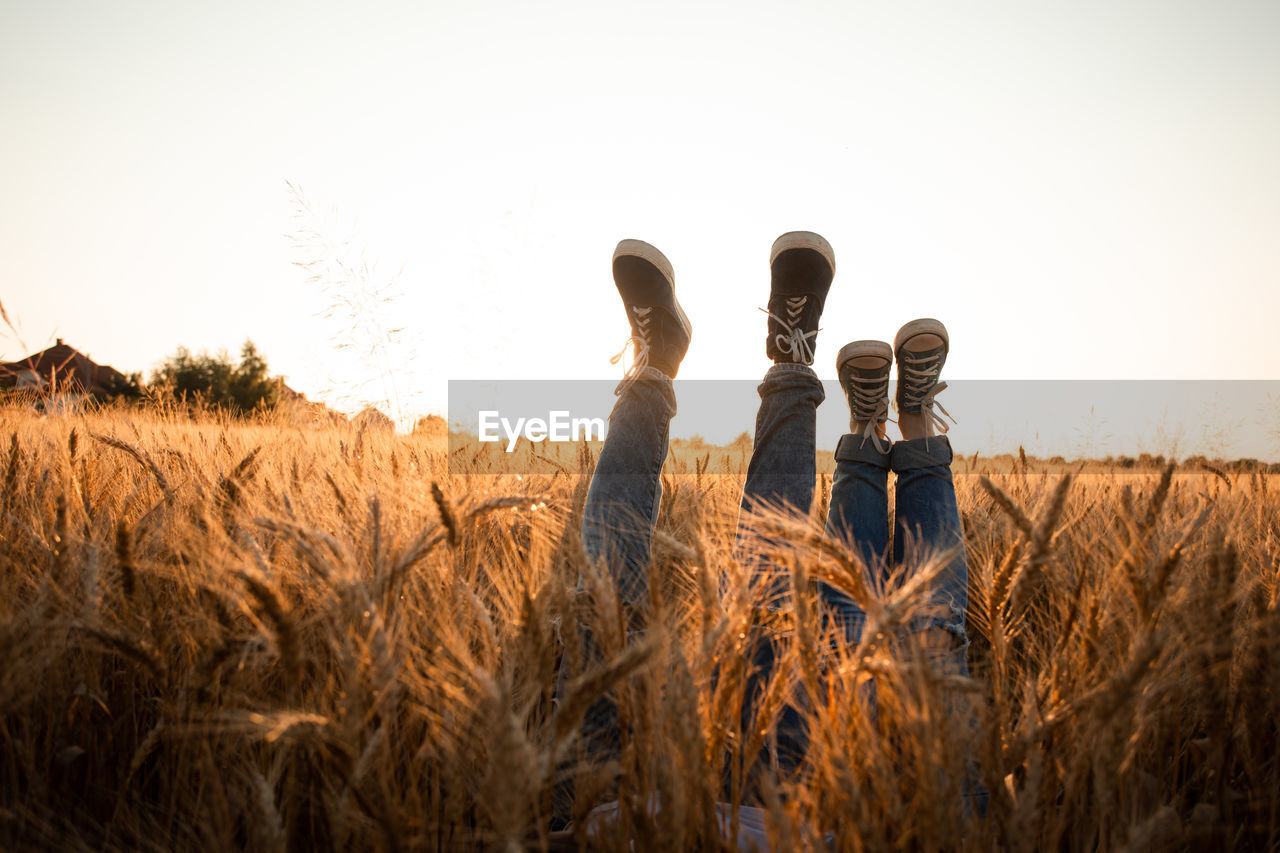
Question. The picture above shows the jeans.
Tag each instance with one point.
(617, 529)
(626, 489)
(622, 507)
(927, 523)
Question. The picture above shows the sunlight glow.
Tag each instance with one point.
(1077, 191)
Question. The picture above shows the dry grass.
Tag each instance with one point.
(224, 637)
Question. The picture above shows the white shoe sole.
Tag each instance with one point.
(923, 326)
(650, 253)
(863, 349)
(641, 249)
(803, 240)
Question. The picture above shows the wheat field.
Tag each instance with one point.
(227, 635)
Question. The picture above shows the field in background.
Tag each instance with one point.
(228, 636)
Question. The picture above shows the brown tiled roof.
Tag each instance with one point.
(65, 365)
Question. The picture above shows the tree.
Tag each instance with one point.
(217, 381)
(251, 385)
(121, 386)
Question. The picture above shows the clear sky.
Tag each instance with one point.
(1079, 190)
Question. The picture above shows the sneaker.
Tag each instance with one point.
(659, 328)
(802, 265)
(921, 349)
(863, 368)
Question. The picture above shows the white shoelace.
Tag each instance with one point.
(920, 373)
(794, 341)
(876, 407)
(641, 340)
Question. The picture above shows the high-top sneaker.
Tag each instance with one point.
(863, 368)
(659, 328)
(802, 265)
(921, 349)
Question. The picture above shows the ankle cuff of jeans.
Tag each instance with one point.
(651, 372)
(932, 452)
(784, 368)
(797, 381)
(652, 376)
(860, 448)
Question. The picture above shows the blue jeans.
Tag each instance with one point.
(617, 528)
(927, 522)
(626, 490)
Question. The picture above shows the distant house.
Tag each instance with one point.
(285, 394)
(60, 368)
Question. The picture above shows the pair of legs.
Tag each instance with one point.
(625, 494)
(626, 490)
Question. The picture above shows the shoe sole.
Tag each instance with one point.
(863, 349)
(923, 326)
(803, 240)
(648, 252)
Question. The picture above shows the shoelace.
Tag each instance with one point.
(641, 340)
(919, 393)
(794, 341)
(871, 407)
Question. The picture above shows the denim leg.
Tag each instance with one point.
(783, 464)
(617, 527)
(859, 518)
(927, 518)
(626, 489)
(781, 473)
